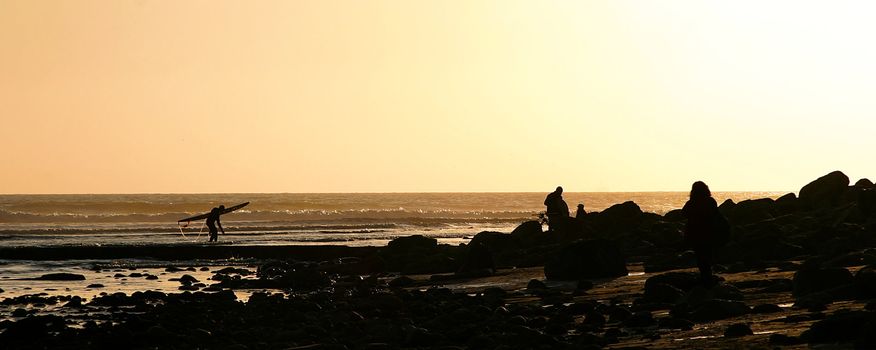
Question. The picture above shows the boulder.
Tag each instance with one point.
(662, 293)
(787, 204)
(494, 241)
(718, 309)
(529, 234)
(865, 281)
(60, 277)
(477, 258)
(824, 192)
(583, 259)
(409, 244)
(619, 217)
(737, 330)
(751, 211)
(864, 183)
(684, 281)
(838, 327)
(816, 280)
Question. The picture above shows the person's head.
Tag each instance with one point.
(559, 189)
(221, 207)
(580, 206)
(699, 189)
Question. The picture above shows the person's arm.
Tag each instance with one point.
(220, 225)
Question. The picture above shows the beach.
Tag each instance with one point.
(795, 271)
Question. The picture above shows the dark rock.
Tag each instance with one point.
(737, 330)
(662, 293)
(19, 312)
(864, 183)
(816, 280)
(782, 339)
(535, 285)
(640, 319)
(478, 258)
(584, 285)
(618, 314)
(718, 309)
(620, 217)
(60, 277)
(401, 281)
(865, 281)
(188, 279)
(528, 234)
(95, 285)
(415, 243)
(31, 328)
(751, 211)
(135, 275)
(675, 323)
(151, 277)
(683, 281)
(824, 192)
(173, 269)
(586, 259)
(839, 327)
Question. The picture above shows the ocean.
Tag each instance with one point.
(150, 220)
(355, 219)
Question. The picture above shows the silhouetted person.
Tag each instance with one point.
(701, 211)
(557, 209)
(580, 213)
(214, 218)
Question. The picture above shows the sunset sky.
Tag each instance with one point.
(120, 96)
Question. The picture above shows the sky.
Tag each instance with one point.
(123, 96)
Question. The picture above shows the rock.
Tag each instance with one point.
(59, 277)
(95, 285)
(864, 183)
(528, 234)
(173, 269)
(477, 258)
(495, 241)
(675, 323)
(683, 281)
(865, 281)
(31, 328)
(737, 330)
(751, 211)
(839, 327)
(619, 217)
(586, 259)
(409, 244)
(401, 281)
(640, 319)
(535, 285)
(815, 280)
(782, 339)
(188, 279)
(718, 309)
(662, 293)
(824, 192)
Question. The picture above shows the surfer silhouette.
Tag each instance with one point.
(213, 220)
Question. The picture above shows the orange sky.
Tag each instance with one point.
(371, 96)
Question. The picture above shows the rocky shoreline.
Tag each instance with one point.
(798, 271)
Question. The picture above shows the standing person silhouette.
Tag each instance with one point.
(214, 218)
(701, 211)
(557, 209)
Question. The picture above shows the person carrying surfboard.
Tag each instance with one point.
(213, 220)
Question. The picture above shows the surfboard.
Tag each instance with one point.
(205, 215)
